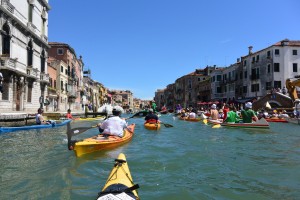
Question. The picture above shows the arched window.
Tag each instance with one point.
(43, 61)
(5, 40)
(29, 54)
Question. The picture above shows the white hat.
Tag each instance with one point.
(214, 106)
(248, 105)
(150, 110)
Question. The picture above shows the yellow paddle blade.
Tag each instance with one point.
(205, 121)
(216, 126)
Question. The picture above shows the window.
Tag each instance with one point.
(241, 75)
(66, 72)
(268, 54)
(245, 89)
(43, 25)
(54, 84)
(29, 54)
(43, 61)
(219, 77)
(69, 70)
(276, 67)
(5, 40)
(253, 59)
(257, 58)
(245, 62)
(268, 86)
(50, 82)
(219, 90)
(295, 52)
(60, 51)
(276, 52)
(29, 91)
(62, 69)
(255, 87)
(62, 85)
(245, 74)
(30, 11)
(277, 84)
(295, 67)
(269, 68)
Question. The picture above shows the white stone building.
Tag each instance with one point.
(23, 53)
(270, 67)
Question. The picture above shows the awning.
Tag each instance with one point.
(244, 100)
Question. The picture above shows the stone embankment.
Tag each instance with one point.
(22, 119)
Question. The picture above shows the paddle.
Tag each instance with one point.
(75, 131)
(205, 121)
(216, 126)
(167, 125)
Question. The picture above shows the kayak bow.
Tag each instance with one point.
(119, 182)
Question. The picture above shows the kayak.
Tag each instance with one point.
(293, 120)
(91, 118)
(152, 126)
(276, 120)
(190, 119)
(19, 128)
(98, 143)
(261, 124)
(119, 184)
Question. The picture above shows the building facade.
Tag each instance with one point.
(23, 58)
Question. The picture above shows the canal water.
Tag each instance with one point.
(188, 161)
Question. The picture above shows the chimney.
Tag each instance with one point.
(250, 49)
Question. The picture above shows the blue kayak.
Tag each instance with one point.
(19, 128)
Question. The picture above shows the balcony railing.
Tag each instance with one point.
(31, 26)
(32, 72)
(44, 77)
(12, 64)
(8, 6)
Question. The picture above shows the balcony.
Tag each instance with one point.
(31, 26)
(44, 37)
(44, 78)
(32, 72)
(8, 6)
(12, 64)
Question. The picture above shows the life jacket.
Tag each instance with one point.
(151, 121)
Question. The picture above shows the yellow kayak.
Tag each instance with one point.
(152, 126)
(99, 143)
(119, 182)
(90, 118)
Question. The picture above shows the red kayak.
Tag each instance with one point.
(276, 120)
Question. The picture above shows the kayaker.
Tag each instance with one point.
(232, 117)
(151, 117)
(192, 114)
(39, 117)
(114, 125)
(248, 114)
(69, 115)
(214, 114)
(153, 106)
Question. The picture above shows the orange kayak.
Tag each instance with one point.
(152, 126)
(99, 143)
(190, 119)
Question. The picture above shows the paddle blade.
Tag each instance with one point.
(205, 121)
(78, 130)
(216, 126)
(167, 125)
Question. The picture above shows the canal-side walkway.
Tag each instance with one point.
(19, 118)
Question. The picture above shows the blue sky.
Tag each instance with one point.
(144, 45)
